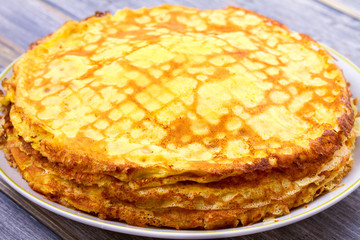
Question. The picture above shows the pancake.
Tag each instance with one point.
(178, 117)
(184, 205)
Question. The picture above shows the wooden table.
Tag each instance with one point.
(22, 22)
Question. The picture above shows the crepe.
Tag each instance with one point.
(178, 117)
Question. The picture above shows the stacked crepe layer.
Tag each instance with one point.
(179, 117)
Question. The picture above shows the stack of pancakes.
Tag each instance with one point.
(178, 117)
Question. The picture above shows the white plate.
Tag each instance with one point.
(348, 185)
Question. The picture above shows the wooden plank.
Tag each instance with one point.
(18, 224)
(8, 52)
(62, 12)
(40, 214)
(23, 22)
(342, 8)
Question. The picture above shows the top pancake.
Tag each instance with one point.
(172, 90)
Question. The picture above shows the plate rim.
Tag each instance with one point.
(179, 234)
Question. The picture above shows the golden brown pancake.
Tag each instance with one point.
(227, 203)
(172, 112)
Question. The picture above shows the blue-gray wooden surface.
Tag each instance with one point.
(24, 21)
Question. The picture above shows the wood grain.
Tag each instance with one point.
(22, 22)
(39, 213)
(8, 52)
(342, 8)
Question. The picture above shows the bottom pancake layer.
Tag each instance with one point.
(107, 199)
